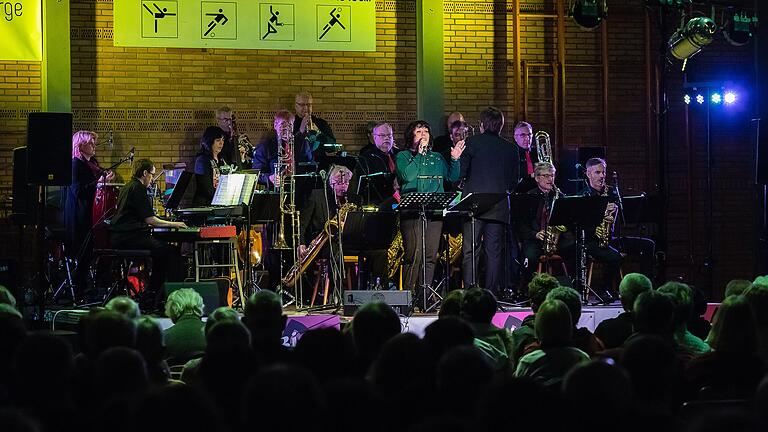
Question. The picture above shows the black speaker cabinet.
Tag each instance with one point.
(49, 149)
(24, 207)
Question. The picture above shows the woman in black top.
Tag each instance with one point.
(209, 165)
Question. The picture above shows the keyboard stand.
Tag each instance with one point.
(202, 246)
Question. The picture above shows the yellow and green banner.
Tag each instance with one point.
(328, 25)
(21, 30)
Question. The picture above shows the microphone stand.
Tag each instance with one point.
(620, 204)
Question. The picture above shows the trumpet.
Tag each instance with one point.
(543, 146)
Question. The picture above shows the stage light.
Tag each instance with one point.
(730, 97)
(588, 14)
(692, 37)
(700, 99)
(738, 28)
(687, 99)
(716, 98)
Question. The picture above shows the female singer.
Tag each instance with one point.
(420, 169)
(209, 165)
(78, 207)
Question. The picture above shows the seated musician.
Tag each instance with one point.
(374, 180)
(315, 215)
(209, 166)
(129, 228)
(597, 238)
(265, 154)
(422, 170)
(533, 231)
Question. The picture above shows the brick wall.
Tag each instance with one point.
(159, 100)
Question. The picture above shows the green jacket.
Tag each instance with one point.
(421, 173)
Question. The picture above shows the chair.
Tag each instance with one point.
(547, 261)
(122, 261)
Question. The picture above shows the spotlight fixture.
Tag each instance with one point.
(716, 98)
(687, 99)
(690, 38)
(588, 14)
(737, 28)
(700, 99)
(730, 97)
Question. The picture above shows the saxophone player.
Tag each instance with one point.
(597, 238)
(533, 232)
(317, 210)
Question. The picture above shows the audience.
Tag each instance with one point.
(538, 288)
(124, 305)
(582, 338)
(185, 339)
(371, 376)
(614, 331)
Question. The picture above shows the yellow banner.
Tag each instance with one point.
(328, 25)
(21, 30)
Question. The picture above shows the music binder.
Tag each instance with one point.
(235, 189)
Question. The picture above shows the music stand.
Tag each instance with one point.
(265, 208)
(421, 202)
(174, 201)
(368, 230)
(578, 213)
(473, 204)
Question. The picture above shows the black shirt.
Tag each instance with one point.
(133, 206)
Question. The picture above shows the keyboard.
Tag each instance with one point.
(211, 211)
(192, 234)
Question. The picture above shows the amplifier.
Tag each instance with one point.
(399, 300)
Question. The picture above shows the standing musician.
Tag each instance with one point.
(225, 120)
(265, 154)
(209, 166)
(421, 170)
(375, 178)
(533, 231)
(528, 156)
(129, 228)
(312, 130)
(597, 239)
(78, 207)
(316, 212)
(489, 165)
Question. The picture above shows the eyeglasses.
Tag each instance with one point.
(384, 135)
(524, 134)
(545, 175)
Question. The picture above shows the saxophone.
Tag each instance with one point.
(395, 253)
(552, 232)
(603, 231)
(316, 245)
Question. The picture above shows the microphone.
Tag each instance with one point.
(348, 154)
(322, 174)
(579, 167)
(131, 154)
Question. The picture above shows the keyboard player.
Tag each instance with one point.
(130, 227)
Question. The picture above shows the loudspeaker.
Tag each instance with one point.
(209, 291)
(24, 206)
(399, 300)
(49, 149)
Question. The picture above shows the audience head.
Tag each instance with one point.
(106, 329)
(443, 334)
(653, 368)
(6, 297)
(184, 301)
(373, 325)
(571, 298)
(736, 287)
(478, 306)
(124, 305)
(631, 286)
(119, 372)
(598, 383)
(553, 325)
(539, 287)
(682, 297)
(654, 313)
(452, 304)
(387, 373)
(228, 335)
(733, 328)
(7, 309)
(757, 296)
(149, 339)
(325, 351)
(264, 317)
(219, 314)
(761, 280)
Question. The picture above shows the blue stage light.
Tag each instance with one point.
(716, 98)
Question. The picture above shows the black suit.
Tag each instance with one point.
(526, 181)
(376, 190)
(532, 247)
(489, 164)
(323, 136)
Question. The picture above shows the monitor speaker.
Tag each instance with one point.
(49, 149)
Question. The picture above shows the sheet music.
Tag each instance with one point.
(234, 189)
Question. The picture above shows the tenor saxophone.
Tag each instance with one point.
(552, 232)
(603, 231)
